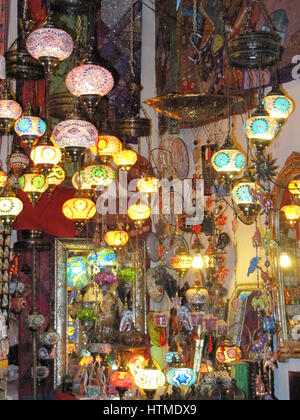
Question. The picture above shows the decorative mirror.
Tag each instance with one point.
(287, 231)
(94, 289)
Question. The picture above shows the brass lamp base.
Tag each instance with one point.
(49, 64)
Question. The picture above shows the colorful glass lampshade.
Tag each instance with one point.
(148, 185)
(97, 260)
(79, 183)
(278, 105)
(198, 262)
(90, 82)
(197, 295)
(294, 187)
(34, 184)
(292, 213)
(75, 135)
(10, 111)
(228, 162)
(181, 376)
(125, 159)
(122, 379)
(107, 146)
(150, 379)
(56, 176)
(3, 179)
(242, 195)
(261, 129)
(136, 364)
(49, 45)
(116, 238)
(139, 213)
(30, 128)
(10, 208)
(79, 210)
(77, 277)
(98, 176)
(227, 354)
(45, 156)
(174, 355)
(182, 262)
(18, 161)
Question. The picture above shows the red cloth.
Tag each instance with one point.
(47, 214)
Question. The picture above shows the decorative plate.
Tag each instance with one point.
(156, 292)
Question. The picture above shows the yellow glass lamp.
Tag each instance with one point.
(148, 185)
(56, 176)
(292, 213)
(3, 179)
(79, 183)
(34, 184)
(242, 195)
(228, 353)
(125, 159)
(106, 147)
(228, 161)
(79, 210)
(261, 129)
(116, 238)
(10, 206)
(139, 213)
(278, 105)
(100, 176)
(149, 379)
(182, 262)
(45, 155)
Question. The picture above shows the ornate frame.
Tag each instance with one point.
(288, 349)
(62, 247)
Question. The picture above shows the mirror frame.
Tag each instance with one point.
(288, 348)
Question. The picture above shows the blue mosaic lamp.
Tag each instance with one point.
(30, 128)
(243, 197)
(261, 129)
(229, 161)
(278, 105)
(181, 376)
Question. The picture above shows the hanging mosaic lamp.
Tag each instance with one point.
(10, 206)
(30, 128)
(79, 210)
(125, 159)
(34, 184)
(10, 111)
(18, 161)
(242, 195)
(90, 82)
(278, 105)
(229, 161)
(106, 147)
(79, 183)
(182, 262)
(3, 178)
(292, 213)
(98, 176)
(56, 176)
(116, 238)
(261, 129)
(197, 295)
(75, 135)
(148, 185)
(122, 380)
(49, 45)
(150, 379)
(45, 155)
(228, 353)
(139, 213)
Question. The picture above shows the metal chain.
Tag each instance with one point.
(131, 62)
(195, 17)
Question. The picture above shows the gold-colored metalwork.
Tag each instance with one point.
(189, 107)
